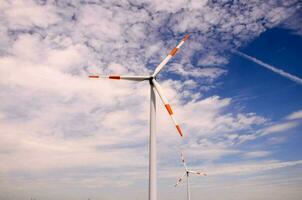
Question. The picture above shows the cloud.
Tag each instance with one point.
(276, 140)
(246, 168)
(211, 73)
(23, 14)
(57, 123)
(294, 22)
(238, 168)
(257, 154)
(281, 127)
(295, 115)
(266, 129)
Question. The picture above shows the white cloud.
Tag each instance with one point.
(168, 6)
(257, 154)
(295, 115)
(237, 168)
(211, 73)
(54, 120)
(20, 14)
(281, 127)
(294, 23)
(252, 167)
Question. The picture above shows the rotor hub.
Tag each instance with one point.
(150, 79)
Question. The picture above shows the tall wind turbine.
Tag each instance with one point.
(187, 174)
(154, 86)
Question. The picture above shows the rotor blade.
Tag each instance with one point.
(199, 173)
(180, 179)
(171, 54)
(167, 105)
(115, 77)
(183, 162)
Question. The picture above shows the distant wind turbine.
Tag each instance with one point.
(154, 86)
(270, 67)
(187, 174)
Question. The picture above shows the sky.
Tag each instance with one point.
(64, 136)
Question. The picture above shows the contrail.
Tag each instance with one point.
(270, 67)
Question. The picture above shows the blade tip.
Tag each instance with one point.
(179, 130)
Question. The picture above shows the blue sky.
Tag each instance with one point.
(64, 136)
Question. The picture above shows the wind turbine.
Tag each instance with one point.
(154, 86)
(187, 174)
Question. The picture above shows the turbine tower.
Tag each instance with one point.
(154, 86)
(187, 174)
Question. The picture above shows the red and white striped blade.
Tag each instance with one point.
(171, 54)
(167, 105)
(199, 173)
(182, 158)
(116, 77)
(180, 179)
(183, 161)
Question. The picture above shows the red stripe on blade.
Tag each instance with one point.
(174, 51)
(114, 77)
(186, 38)
(168, 107)
(179, 130)
(93, 76)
